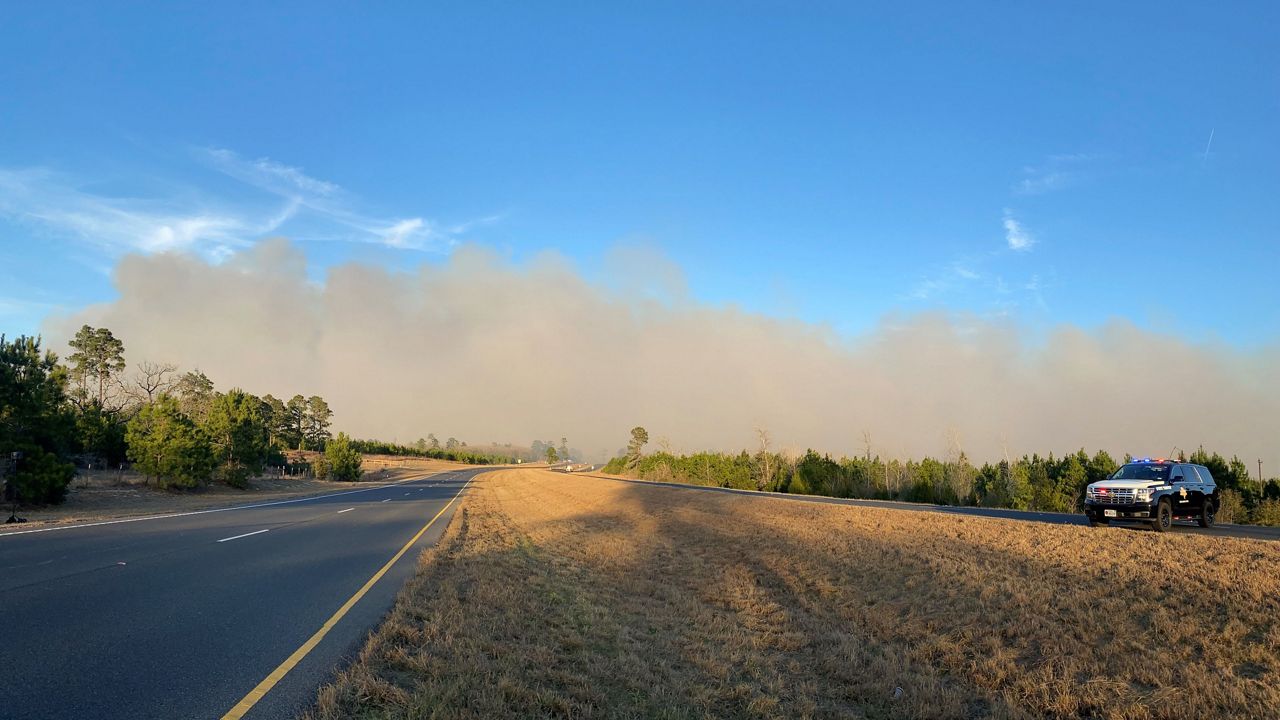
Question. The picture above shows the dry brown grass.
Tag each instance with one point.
(563, 596)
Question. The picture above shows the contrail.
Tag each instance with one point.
(1207, 146)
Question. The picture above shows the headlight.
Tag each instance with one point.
(1142, 495)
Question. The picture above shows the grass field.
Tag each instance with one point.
(560, 596)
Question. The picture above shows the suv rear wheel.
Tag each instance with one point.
(1209, 516)
(1164, 517)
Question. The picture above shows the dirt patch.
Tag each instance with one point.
(110, 494)
(554, 595)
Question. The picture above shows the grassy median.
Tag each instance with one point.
(561, 596)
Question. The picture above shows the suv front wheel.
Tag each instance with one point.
(1209, 516)
(1164, 517)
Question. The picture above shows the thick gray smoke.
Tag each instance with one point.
(486, 351)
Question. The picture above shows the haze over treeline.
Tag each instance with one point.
(483, 349)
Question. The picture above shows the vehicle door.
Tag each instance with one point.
(1188, 495)
(1207, 485)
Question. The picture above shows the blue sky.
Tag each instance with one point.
(833, 162)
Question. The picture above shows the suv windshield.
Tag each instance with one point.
(1142, 471)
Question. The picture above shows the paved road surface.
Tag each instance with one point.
(181, 617)
(1254, 532)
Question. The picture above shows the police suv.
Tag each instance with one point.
(1156, 492)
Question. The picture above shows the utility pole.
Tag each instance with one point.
(1260, 471)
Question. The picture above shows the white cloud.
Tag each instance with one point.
(212, 225)
(270, 175)
(116, 225)
(404, 233)
(1015, 234)
(328, 201)
(1039, 182)
(954, 277)
(1055, 173)
(182, 233)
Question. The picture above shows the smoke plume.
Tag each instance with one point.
(484, 350)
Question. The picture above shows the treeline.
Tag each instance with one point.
(175, 428)
(423, 448)
(1034, 482)
(551, 453)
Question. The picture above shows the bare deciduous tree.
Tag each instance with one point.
(766, 460)
(152, 380)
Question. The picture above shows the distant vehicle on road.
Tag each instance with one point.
(1156, 492)
(570, 467)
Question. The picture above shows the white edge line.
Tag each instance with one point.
(237, 537)
(211, 510)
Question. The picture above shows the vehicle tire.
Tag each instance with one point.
(1210, 515)
(1164, 517)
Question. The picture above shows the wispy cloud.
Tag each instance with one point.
(1017, 236)
(1038, 182)
(23, 306)
(1055, 173)
(952, 277)
(269, 174)
(330, 202)
(213, 221)
(404, 233)
(120, 224)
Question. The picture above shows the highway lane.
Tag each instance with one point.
(180, 617)
(1251, 532)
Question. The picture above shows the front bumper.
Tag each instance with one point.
(1135, 511)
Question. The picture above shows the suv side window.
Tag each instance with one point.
(1205, 476)
(1179, 474)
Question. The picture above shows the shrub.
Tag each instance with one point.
(320, 468)
(35, 420)
(341, 460)
(167, 446)
(1267, 513)
(41, 478)
(1231, 508)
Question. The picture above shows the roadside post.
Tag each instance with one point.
(11, 488)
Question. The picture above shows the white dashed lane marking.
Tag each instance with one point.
(237, 537)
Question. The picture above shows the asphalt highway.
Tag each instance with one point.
(1252, 532)
(181, 617)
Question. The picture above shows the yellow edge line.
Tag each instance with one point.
(258, 692)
